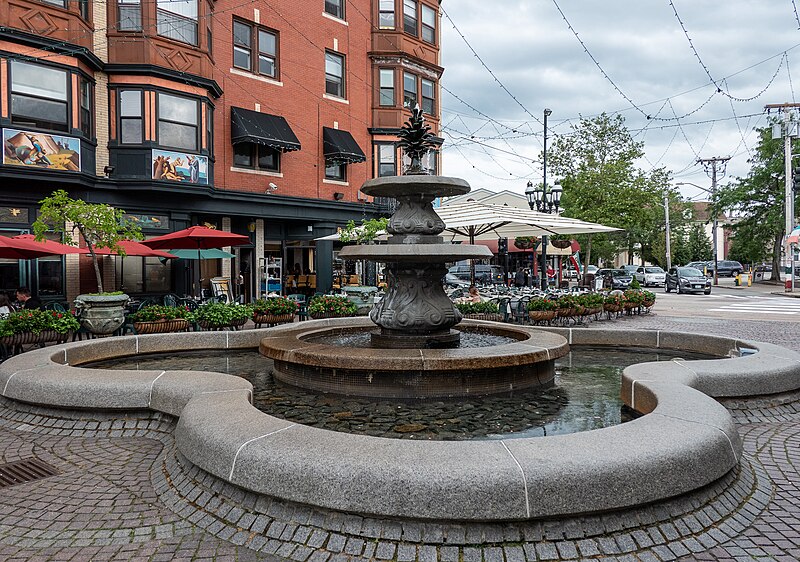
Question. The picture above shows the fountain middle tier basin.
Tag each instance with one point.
(302, 360)
(417, 253)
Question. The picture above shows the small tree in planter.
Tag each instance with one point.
(277, 310)
(97, 225)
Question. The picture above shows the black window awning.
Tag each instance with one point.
(340, 147)
(262, 128)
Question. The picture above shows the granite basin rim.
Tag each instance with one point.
(421, 253)
(433, 186)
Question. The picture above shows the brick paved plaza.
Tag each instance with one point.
(123, 492)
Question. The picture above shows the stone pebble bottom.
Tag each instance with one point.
(202, 503)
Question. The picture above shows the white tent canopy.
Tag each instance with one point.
(473, 220)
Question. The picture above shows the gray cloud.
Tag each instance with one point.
(645, 52)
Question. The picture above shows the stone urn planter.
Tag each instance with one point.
(271, 319)
(161, 326)
(101, 314)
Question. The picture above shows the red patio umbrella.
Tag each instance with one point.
(51, 247)
(196, 238)
(16, 249)
(133, 248)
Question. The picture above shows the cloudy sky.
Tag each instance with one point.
(749, 48)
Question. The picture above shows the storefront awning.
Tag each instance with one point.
(340, 147)
(262, 128)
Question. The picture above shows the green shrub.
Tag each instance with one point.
(156, 312)
(634, 297)
(542, 304)
(635, 283)
(487, 307)
(37, 321)
(222, 314)
(277, 306)
(332, 305)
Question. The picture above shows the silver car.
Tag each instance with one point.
(650, 276)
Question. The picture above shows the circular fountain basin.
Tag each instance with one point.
(303, 361)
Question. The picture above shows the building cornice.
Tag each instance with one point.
(168, 73)
(60, 47)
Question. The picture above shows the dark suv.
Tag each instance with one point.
(725, 267)
(484, 274)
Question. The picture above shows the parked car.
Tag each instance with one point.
(650, 276)
(701, 265)
(484, 274)
(592, 269)
(687, 280)
(725, 267)
(630, 269)
(614, 278)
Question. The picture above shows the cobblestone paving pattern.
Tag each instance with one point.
(123, 492)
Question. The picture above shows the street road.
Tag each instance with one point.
(758, 302)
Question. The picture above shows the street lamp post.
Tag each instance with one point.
(714, 222)
(544, 200)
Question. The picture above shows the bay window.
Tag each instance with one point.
(177, 19)
(39, 96)
(428, 97)
(178, 122)
(386, 87)
(428, 24)
(386, 14)
(130, 117)
(129, 15)
(409, 90)
(410, 16)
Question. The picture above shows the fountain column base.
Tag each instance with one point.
(391, 339)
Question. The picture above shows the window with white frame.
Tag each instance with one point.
(410, 16)
(428, 24)
(129, 15)
(335, 8)
(39, 96)
(387, 159)
(178, 118)
(130, 117)
(177, 19)
(386, 96)
(409, 90)
(334, 74)
(386, 14)
(428, 96)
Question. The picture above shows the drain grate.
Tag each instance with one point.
(26, 470)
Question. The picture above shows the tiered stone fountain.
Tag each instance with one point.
(415, 318)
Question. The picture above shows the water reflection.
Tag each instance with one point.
(585, 397)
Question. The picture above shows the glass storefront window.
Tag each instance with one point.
(50, 276)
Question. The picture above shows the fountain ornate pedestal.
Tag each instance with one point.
(415, 312)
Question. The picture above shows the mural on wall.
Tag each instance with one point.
(41, 150)
(179, 166)
(148, 222)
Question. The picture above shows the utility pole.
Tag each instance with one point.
(786, 109)
(666, 218)
(711, 166)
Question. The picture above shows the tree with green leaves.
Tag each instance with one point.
(97, 225)
(756, 201)
(596, 163)
(699, 244)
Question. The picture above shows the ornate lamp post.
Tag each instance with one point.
(544, 200)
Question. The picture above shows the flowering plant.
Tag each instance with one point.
(37, 321)
(542, 304)
(614, 299)
(277, 306)
(332, 305)
(590, 300)
(634, 297)
(156, 312)
(222, 314)
(649, 298)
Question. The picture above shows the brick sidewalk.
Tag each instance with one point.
(124, 493)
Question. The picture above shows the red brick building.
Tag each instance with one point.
(259, 117)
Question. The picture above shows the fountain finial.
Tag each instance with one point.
(416, 140)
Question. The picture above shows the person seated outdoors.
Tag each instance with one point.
(27, 301)
(5, 305)
(472, 296)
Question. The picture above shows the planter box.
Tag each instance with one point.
(541, 315)
(26, 338)
(161, 326)
(268, 318)
(612, 307)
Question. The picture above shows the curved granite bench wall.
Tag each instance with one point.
(686, 441)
